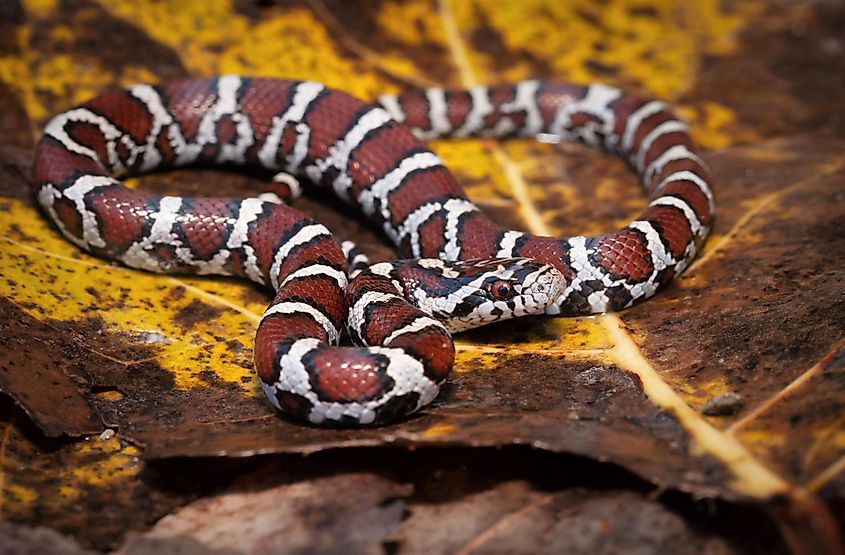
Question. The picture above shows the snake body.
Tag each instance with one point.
(367, 158)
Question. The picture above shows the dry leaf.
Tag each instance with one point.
(349, 513)
(21, 540)
(514, 518)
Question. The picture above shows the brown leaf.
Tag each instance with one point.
(514, 518)
(763, 306)
(29, 375)
(349, 513)
(23, 540)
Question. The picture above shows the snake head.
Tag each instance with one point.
(472, 293)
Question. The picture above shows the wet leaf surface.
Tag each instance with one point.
(727, 385)
(766, 324)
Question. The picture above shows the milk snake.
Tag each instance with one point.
(365, 157)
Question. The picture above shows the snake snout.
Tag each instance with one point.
(542, 288)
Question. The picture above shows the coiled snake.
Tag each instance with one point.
(368, 157)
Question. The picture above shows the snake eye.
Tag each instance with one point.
(501, 290)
